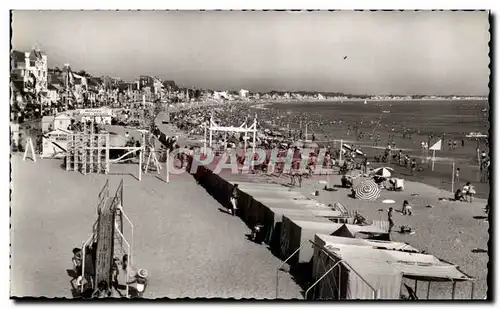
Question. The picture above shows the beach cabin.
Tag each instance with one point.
(47, 123)
(295, 233)
(62, 121)
(362, 269)
(55, 143)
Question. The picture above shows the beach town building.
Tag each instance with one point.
(16, 97)
(157, 86)
(31, 68)
(62, 121)
(101, 115)
(57, 137)
(110, 82)
(220, 95)
(52, 94)
(244, 94)
(47, 123)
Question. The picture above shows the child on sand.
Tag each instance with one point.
(102, 290)
(459, 196)
(406, 209)
(469, 191)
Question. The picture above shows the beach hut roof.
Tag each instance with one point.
(411, 265)
(343, 231)
(59, 131)
(323, 239)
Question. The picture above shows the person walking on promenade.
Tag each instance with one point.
(234, 199)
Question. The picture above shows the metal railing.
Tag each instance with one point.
(128, 252)
(284, 262)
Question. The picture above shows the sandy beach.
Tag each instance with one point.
(451, 231)
(190, 248)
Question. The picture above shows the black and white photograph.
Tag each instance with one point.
(249, 154)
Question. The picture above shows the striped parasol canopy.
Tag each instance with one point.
(367, 190)
(383, 171)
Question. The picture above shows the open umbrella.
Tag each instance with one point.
(383, 171)
(367, 190)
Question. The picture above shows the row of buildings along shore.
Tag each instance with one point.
(37, 90)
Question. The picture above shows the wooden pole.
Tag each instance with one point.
(428, 289)
(478, 157)
(107, 153)
(210, 142)
(254, 138)
(453, 290)
(205, 139)
(168, 165)
(433, 158)
(306, 132)
(140, 164)
(341, 145)
(148, 162)
(453, 177)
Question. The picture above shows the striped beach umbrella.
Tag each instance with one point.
(383, 171)
(367, 190)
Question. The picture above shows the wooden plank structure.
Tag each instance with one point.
(108, 236)
(88, 152)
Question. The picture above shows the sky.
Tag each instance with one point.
(387, 52)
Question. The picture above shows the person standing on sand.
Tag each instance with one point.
(400, 157)
(391, 222)
(413, 166)
(365, 164)
(457, 175)
(469, 191)
(234, 199)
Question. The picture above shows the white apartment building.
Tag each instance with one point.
(31, 68)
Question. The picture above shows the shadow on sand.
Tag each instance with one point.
(123, 174)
